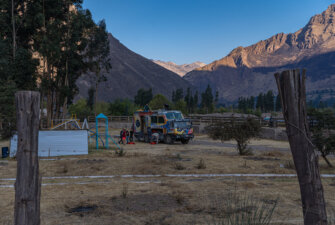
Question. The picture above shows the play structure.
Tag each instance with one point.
(103, 136)
(74, 124)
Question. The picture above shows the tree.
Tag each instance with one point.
(278, 103)
(177, 95)
(216, 101)
(123, 107)
(80, 109)
(241, 132)
(143, 97)
(181, 106)
(62, 42)
(158, 102)
(90, 99)
(207, 100)
(98, 55)
(322, 123)
(7, 109)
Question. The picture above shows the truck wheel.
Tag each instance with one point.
(185, 141)
(168, 139)
(146, 138)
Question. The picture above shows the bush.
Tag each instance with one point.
(244, 209)
(241, 132)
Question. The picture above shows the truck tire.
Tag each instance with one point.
(185, 141)
(146, 138)
(168, 139)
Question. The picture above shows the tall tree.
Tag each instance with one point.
(207, 100)
(143, 97)
(98, 55)
(61, 44)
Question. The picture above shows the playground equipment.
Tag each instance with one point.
(106, 135)
(73, 122)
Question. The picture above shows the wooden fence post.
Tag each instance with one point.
(292, 91)
(28, 184)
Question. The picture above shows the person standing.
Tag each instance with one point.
(124, 136)
(127, 136)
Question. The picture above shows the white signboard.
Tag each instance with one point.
(57, 143)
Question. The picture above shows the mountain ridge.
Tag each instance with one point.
(182, 69)
(248, 70)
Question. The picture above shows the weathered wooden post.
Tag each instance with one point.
(27, 185)
(292, 91)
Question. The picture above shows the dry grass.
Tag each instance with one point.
(163, 200)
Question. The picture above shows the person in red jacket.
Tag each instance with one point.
(124, 136)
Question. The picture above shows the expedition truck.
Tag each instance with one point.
(169, 124)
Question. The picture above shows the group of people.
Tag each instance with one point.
(126, 137)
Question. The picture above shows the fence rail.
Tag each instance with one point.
(196, 120)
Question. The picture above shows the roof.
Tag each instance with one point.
(101, 116)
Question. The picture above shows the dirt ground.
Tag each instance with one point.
(116, 196)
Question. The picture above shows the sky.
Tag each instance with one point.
(185, 31)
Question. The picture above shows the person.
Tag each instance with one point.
(127, 136)
(121, 133)
(155, 137)
(124, 136)
(149, 134)
(131, 137)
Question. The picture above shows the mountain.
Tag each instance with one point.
(130, 72)
(181, 70)
(249, 70)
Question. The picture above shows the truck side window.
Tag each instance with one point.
(154, 119)
(161, 119)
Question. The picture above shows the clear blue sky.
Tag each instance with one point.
(184, 31)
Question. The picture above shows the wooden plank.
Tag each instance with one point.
(28, 183)
(292, 91)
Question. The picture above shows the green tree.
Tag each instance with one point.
(123, 107)
(7, 109)
(90, 99)
(98, 55)
(240, 132)
(278, 103)
(158, 102)
(80, 109)
(143, 97)
(207, 100)
(181, 105)
(322, 126)
(177, 95)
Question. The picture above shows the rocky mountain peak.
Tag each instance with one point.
(318, 36)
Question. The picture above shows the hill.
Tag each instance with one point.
(130, 72)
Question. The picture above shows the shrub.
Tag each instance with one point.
(201, 164)
(241, 132)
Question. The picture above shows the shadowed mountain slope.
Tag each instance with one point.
(130, 72)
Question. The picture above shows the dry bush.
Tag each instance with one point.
(201, 164)
(289, 164)
(273, 154)
(244, 209)
(124, 192)
(179, 166)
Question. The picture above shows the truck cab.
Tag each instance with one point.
(170, 125)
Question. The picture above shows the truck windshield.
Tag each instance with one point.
(174, 115)
(182, 124)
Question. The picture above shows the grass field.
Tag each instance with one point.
(164, 199)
